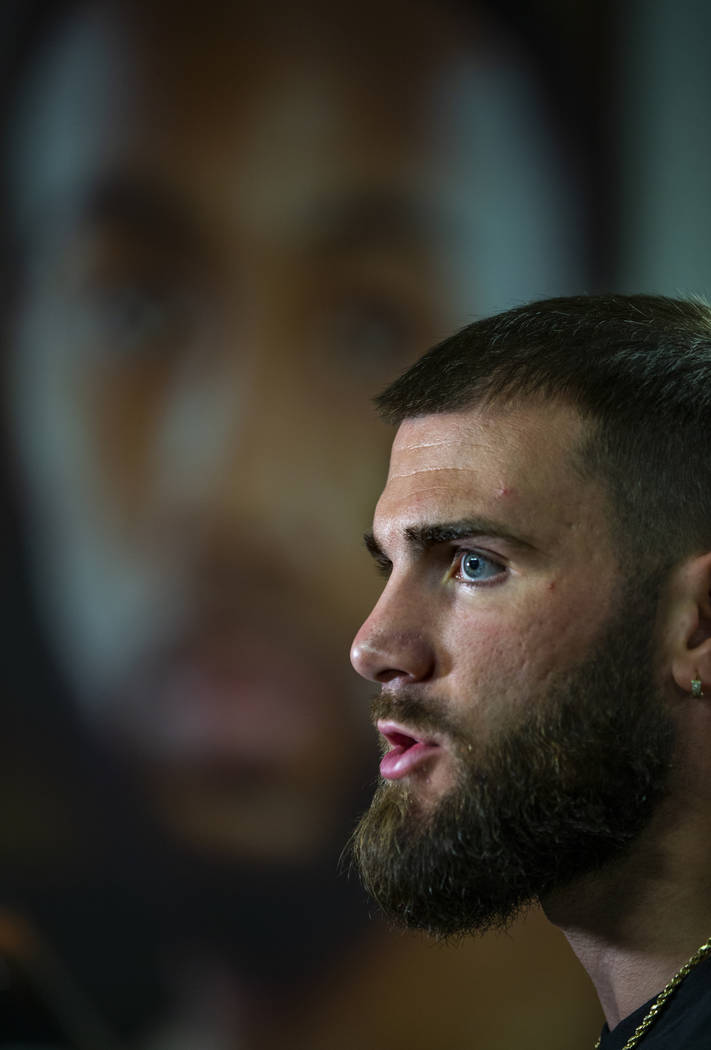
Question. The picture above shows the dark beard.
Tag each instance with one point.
(552, 798)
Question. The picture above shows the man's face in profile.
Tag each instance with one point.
(520, 698)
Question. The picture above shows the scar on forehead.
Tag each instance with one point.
(429, 470)
(448, 442)
(425, 444)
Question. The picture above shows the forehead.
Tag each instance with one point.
(515, 464)
(515, 439)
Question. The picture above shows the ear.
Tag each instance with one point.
(688, 626)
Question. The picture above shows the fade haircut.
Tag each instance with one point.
(638, 370)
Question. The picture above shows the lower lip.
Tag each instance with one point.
(400, 761)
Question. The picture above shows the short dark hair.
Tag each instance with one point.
(638, 370)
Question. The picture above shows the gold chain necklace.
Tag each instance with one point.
(664, 996)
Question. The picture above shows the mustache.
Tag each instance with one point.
(425, 714)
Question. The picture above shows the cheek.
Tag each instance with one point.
(512, 653)
(480, 655)
(560, 628)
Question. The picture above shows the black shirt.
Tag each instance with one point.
(684, 1023)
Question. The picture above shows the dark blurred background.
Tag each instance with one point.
(223, 230)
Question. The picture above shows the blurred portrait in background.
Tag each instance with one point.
(225, 227)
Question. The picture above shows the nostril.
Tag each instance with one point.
(389, 675)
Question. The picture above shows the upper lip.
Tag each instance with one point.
(402, 736)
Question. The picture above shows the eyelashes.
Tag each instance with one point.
(468, 566)
(475, 567)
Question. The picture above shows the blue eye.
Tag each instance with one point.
(472, 567)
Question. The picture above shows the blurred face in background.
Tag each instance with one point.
(233, 230)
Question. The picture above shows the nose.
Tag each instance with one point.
(392, 646)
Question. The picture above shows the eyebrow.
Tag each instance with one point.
(423, 537)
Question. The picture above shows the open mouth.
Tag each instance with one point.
(406, 751)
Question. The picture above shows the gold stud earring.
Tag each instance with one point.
(696, 689)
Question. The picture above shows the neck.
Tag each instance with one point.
(635, 923)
